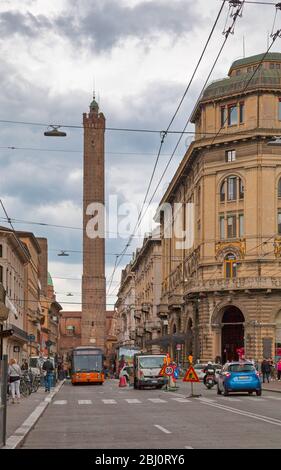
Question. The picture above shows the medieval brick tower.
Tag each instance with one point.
(93, 279)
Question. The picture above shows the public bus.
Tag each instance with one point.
(87, 365)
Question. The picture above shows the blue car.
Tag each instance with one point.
(238, 377)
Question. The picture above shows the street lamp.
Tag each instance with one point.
(54, 132)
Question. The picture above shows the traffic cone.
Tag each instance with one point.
(122, 381)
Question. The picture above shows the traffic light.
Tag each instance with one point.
(6, 333)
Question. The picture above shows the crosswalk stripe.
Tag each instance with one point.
(84, 402)
(157, 400)
(60, 402)
(132, 400)
(110, 402)
(181, 400)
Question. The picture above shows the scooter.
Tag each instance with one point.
(210, 380)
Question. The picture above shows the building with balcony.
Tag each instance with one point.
(13, 260)
(138, 297)
(221, 291)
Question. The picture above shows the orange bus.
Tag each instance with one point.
(87, 365)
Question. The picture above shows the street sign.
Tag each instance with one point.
(169, 371)
(31, 338)
(6, 333)
(178, 347)
(190, 375)
(162, 371)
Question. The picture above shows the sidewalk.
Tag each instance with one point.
(22, 417)
(273, 386)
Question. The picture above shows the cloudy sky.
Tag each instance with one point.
(140, 54)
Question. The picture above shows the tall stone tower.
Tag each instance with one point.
(93, 279)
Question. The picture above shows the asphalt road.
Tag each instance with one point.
(107, 417)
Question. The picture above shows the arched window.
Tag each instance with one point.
(279, 188)
(222, 192)
(230, 266)
(234, 187)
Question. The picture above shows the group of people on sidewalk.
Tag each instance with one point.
(270, 370)
(15, 373)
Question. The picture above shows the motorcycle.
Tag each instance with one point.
(210, 379)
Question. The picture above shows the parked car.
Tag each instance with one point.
(239, 377)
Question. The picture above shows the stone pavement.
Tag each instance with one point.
(273, 386)
(22, 417)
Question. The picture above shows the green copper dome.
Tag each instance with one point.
(94, 105)
(50, 280)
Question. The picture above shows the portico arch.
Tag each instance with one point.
(228, 323)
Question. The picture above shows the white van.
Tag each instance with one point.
(147, 369)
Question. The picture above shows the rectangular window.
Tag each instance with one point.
(279, 222)
(222, 232)
(241, 225)
(1, 251)
(232, 115)
(249, 69)
(271, 66)
(1, 274)
(232, 188)
(223, 116)
(241, 113)
(230, 156)
(231, 226)
(279, 109)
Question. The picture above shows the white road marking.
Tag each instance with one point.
(132, 400)
(60, 402)
(247, 414)
(110, 402)
(272, 398)
(157, 400)
(84, 402)
(229, 398)
(162, 429)
(208, 400)
(181, 400)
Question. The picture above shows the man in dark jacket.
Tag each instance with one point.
(48, 369)
(265, 370)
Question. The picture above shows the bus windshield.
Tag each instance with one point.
(151, 362)
(87, 363)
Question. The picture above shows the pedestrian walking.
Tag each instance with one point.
(279, 369)
(272, 369)
(14, 373)
(265, 370)
(48, 369)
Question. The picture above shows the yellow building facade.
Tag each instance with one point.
(223, 293)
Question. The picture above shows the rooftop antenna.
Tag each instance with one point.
(94, 87)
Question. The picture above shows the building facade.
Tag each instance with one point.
(93, 279)
(138, 297)
(13, 259)
(221, 292)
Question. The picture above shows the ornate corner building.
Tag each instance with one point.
(224, 292)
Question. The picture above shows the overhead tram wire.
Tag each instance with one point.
(227, 33)
(163, 135)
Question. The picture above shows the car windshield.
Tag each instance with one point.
(85, 363)
(241, 368)
(151, 362)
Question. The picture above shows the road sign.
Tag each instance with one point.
(190, 358)
(178, 347)
(169, 371)
(31, 338)
(190, 375)
(162, 371)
